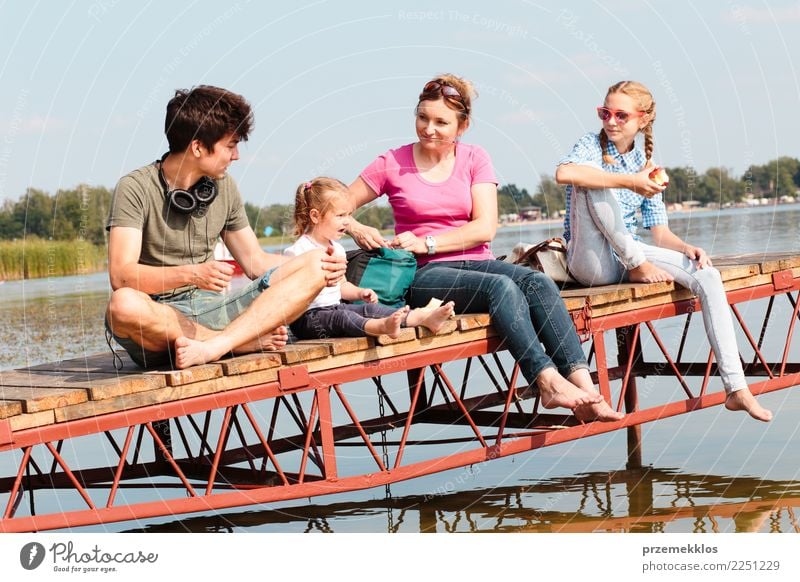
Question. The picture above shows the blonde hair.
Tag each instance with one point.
(645, 102)
(465, 89)
(318, 194)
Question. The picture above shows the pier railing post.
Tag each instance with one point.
(624, 347)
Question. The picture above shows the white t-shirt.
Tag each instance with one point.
(329, 295)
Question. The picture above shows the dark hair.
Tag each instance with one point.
(207, 114)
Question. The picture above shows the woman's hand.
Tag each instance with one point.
(408, 241)
(642, 184)
(367, 237)
(699, 255)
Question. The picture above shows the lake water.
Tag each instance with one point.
(706, 471)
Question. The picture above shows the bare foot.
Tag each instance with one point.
(597, 411)
(431, 317)
(556, 391)
(268, 342)
(744, 400)
(647, 272)
(387, 325)
(191, 352)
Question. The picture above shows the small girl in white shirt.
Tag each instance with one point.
(322, 214)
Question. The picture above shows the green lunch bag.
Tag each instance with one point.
(389, 272)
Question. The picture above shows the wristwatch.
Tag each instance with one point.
(430, 242)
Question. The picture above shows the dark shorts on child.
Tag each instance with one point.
(208, 308)
(342, 320)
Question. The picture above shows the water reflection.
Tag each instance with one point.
(647, 500)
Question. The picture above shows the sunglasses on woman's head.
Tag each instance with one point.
(444, 90)
(622, 116)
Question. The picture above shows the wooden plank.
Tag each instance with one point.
(345, 345)
(33, 420)
(10, 408)
(35, 399)
(250, 363)
(407, 334)
(167, 394)
(379, 352)
(191, 375)
(448, 326)
(302, 352)
(98, 386)
(781, 264)
(102, 363)
(468, 321)
(728, 273)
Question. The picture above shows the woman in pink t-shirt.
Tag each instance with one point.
(444, 197)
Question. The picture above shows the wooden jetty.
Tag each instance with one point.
(84, 444)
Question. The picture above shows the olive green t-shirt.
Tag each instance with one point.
(170, 238)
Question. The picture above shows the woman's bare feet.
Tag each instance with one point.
(556, 391)
(647, 272)
(431, 317)
(597, 410)
(744, 400)
(387, 325)
(600, 411)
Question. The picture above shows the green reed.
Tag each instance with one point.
(32, 258)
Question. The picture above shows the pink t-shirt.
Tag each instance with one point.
(424, 207)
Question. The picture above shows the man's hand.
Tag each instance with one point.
(334, 267)
(212, 275)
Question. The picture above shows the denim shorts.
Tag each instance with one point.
(208, 308)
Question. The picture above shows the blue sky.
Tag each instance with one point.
(83, 84)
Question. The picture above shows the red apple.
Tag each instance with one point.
(659, 176)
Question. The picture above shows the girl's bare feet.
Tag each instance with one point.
(744, 400)
(387, 325)
(431, 317)
(556, 391)
(647, 272)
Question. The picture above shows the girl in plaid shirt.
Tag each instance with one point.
(608, 178)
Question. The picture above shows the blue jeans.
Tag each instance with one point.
(525, 306)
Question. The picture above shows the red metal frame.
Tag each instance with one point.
(240, 455)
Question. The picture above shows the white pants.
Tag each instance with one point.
(601, 251)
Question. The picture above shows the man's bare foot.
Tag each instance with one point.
(191, 352)
(744, 400)
(597, 411)
(268, 342)
(387, 325)
(556, 391)
(431, 317)
(647, 272)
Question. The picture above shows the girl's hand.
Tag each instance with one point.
(699, 255)
(410, 242)
(368, 296)
(642, 184)
(367, 237)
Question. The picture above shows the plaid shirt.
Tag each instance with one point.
(589, 152)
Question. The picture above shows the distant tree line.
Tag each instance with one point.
(81, 213)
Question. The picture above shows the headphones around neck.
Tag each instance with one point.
(200, 195)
